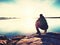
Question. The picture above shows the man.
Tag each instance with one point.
(42, 24)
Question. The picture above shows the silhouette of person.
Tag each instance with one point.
(42, 24)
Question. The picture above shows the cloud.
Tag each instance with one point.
(39, 1)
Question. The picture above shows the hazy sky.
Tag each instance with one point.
(28, 11)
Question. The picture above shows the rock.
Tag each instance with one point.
(32, 44)
(29, 41)
(34, 39)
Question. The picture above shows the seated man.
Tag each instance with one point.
(42, 24)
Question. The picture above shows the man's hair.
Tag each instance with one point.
(41, 14)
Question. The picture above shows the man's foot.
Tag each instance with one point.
(44, 33)
(38, 33)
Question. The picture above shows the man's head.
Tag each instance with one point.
(41, 14)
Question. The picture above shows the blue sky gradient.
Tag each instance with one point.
(6, 1)
(56, 3)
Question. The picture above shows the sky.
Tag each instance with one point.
(28, 12)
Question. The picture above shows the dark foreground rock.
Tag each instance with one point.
(34, 39)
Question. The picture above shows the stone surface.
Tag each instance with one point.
(34, 39)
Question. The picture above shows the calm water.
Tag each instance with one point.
(14, 27)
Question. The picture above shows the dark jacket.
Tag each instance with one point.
(42, 23)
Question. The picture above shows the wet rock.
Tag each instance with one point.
(34, 39)
(30, 41)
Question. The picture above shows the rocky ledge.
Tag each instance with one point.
(35, 39)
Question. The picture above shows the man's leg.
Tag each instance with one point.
(37, 30)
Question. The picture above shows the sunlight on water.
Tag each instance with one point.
(26, 26)
(54, 25)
